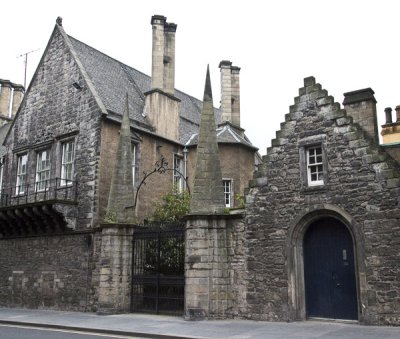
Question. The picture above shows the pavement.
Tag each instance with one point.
(158, 326)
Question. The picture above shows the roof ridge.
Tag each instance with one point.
(135, 85)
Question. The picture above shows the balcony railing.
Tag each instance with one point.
(56, 189)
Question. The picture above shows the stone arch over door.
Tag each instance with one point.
(296, 281)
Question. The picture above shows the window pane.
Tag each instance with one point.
(67, 165)
(42, 170)
(227, 184)
(315, 166)
(21, 174)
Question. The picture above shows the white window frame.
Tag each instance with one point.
(178, 176)
(43, 167)
(227, 184)
(315, 166)
(67, 164)
(133, 163)
(22, 166)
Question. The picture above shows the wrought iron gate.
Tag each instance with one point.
(158, 269)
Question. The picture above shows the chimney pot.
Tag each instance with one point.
(388, 113)
(397, 113)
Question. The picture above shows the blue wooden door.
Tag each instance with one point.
(329, 274)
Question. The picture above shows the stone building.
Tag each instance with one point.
(61, 149)
(321, 234)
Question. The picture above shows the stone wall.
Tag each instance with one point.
(49, 272)
(148, 150)
(361, 184)
(215, 267)
(115, 268)
(55, 111)
(237, 164)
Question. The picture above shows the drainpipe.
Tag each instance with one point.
(185, 153)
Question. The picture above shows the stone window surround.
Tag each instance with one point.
(304, 144)
(294, 248)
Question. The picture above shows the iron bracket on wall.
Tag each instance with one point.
(161, 166)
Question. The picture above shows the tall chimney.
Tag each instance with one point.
(235, 95)
(157, 69)
(163, 61)
(17, 99)
(5, 97)
(230, 92)
(169, 57)
(361, 106)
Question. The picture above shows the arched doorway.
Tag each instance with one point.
(329, 270)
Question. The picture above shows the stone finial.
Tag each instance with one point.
(388, 113)
(121, 195)
(59, 21)
(208, 192)
(397, 113)
(309, 81)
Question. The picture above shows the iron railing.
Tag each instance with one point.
(52, 189)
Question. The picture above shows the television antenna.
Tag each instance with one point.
(25, 55)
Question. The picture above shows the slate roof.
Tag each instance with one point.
(112, 80)
(226, 133)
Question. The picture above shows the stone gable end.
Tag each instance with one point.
(59, 106)
(360, 179)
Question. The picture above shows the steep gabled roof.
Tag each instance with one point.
(113, 79)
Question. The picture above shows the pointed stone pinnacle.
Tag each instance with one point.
(121, 190)
(208, 192)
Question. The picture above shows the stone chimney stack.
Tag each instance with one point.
(17, 99)
(5, 97)
(230, 92)
(163, 59)
(169, 57)
(11, 96)
(361, 106)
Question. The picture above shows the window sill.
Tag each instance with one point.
(314, 189)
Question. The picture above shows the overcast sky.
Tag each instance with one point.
(346, 45)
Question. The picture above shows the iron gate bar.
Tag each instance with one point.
(158, 268)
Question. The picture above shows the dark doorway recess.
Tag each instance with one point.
(158, 281)
(329, 273)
